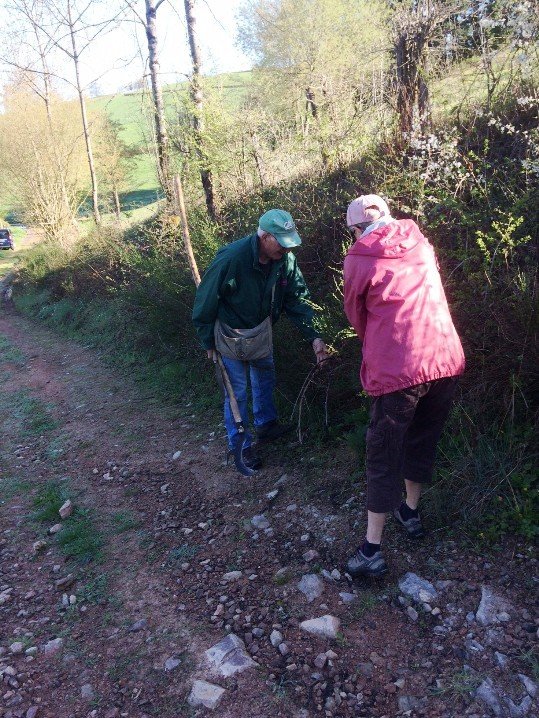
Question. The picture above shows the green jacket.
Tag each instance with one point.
(235, 290)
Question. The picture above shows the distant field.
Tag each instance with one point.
(133, 111)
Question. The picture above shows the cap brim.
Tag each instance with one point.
(288, 240)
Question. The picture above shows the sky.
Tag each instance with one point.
(117, 58)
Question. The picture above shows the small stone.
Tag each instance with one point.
(276, 638)
(54, 529)
(32, 712)
(311, 555)
(436, 611)
(65, 582)
(501, 659)
(304, 538)
(531, 687)
(399, 683)
(205, 694)
(326, 626)
(347, 597)
(87, 692)
(232, 576)
(492, 608)
(31, 651)
(417, 588)
(138, 626)
(283, 649)
(489, 695)
(176, 455)
(52, 647)
(336, 574)
(229, 657)
(331, 655)
(412, 613)
(66, 509)
(17, 647)
(172, 663)
(408, 703)
(292, 507)
(311, 586)
(271, 495)
(39, 546)
(320, 661)
(260, 522)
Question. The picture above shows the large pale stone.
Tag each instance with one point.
(229, 656)
(326, 626)
(205, 694)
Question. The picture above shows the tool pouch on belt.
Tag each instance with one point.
(245, 344)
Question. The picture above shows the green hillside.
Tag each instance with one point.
(133, 111)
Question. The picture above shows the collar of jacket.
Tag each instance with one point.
(256, 255)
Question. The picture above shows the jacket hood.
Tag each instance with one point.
(392, 241)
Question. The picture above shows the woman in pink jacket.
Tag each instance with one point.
(394, 299)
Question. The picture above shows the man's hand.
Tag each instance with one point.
(321, 351)
(212, 354)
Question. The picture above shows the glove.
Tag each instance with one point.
(321, 351)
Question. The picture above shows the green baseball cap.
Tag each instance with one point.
(280, 225)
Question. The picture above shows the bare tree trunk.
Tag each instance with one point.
(163, 159)
(85, 128)
(198, 119)
(116, 200)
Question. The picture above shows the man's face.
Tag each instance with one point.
(270, 249)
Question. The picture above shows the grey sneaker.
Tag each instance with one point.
(414, 527)
(360, 565)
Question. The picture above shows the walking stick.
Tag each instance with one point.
(237, 441)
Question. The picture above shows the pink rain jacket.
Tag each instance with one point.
(394, 299)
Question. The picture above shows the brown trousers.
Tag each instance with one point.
(402, 437)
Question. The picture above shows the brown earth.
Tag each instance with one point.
(170, 529)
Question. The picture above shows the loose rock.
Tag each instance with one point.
(491, 608)
(205, 694)
(311, 586)
(326, 626)
(66, 509)
(229, 656)
(417, 588)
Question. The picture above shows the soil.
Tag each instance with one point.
(170, 529)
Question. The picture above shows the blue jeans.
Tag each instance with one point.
(262, 375)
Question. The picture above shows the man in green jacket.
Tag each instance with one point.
(248, 281)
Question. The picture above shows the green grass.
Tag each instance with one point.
(10, 487)
(79, 539)
(124, 521)
(9, 353)
(32, 414)
(48, 500)
(459, 684)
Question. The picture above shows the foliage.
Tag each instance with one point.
(42, 159)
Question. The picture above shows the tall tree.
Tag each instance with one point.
(197, 97)
(414, 26)
(148, 19)
(71, 26)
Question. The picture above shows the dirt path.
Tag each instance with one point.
(162, 557)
